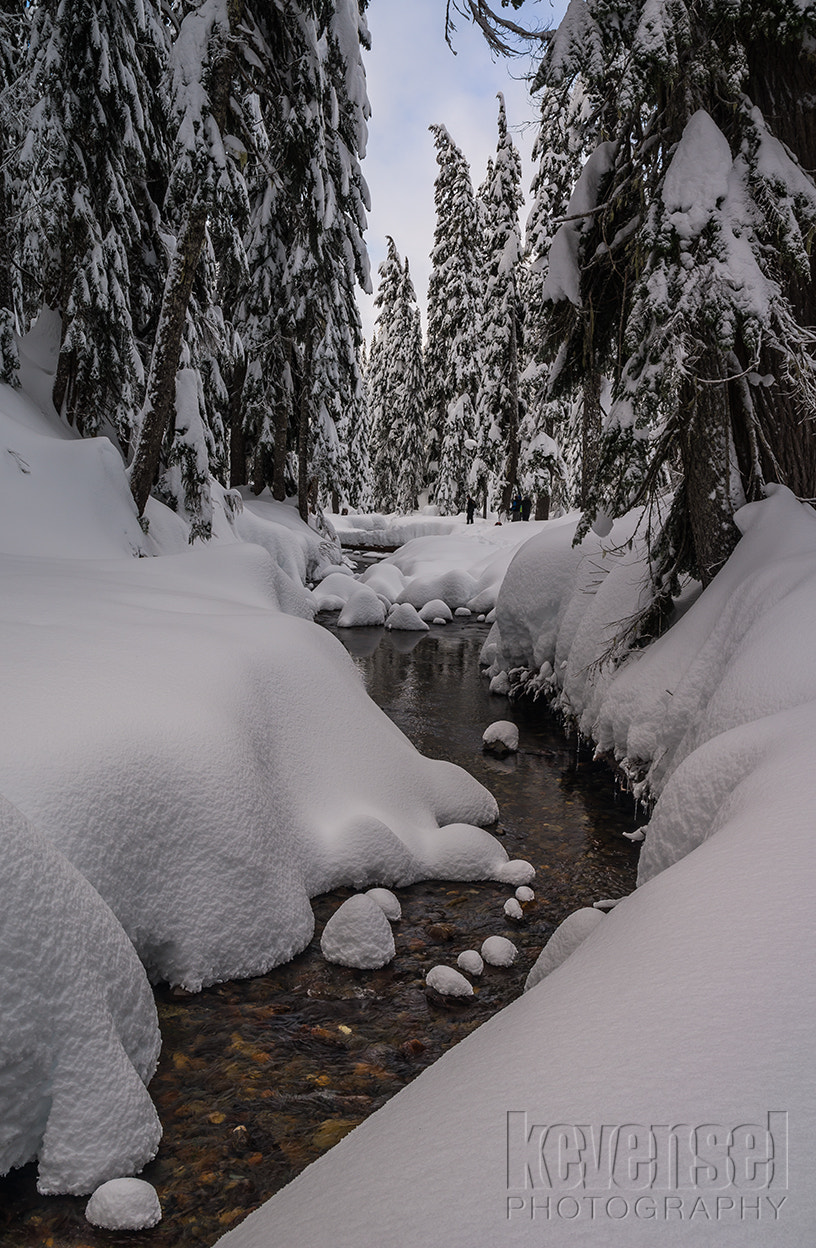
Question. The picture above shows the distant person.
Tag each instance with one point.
(526, 507)
(515, 507)
(471, 508)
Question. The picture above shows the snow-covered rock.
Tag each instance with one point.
(363, 609)
(513, 910)
(387, 902)
(567, 937)
(358, 934)
(405, 618)
(516, 872)
(436, 610)
(523, 893)
(471, 962)
(448, 982)
(124, 1205)
(79, 1037)
(501, 737)
(499, 951)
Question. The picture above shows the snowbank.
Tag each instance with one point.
(193, 759)
(655, 1087)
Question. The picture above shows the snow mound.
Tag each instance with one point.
(124, 1205)
(387, 902)
(384, 579)
(501, 737)
(499, 951)
(79, 1037)
(512, 909)
(526, 894)
(564, 940)
(471, 962)
(336, 587)
(405, 618)
(448, 982)
(461, 851)
(363, 609)
(515, 872)
(436, 611)
(451, 586)
(358, 934)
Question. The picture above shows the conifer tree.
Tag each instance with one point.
(411, 397)
(499, 411)
(92, 149)
(452, 365)
(685, 271)
(382, 384)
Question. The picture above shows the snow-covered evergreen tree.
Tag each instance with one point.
(495, 469)
(383, 447)
(683, 270)
(411, 399)
(91, 154)
(452, 364)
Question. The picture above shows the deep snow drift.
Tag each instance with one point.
(655, 1087)
(188, 759)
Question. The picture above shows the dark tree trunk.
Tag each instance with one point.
(705, 450)
(237, 440)
(590, 433)
(513, 416)
(161, 385)
(542, 510)
(303, 430)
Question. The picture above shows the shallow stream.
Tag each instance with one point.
(258, 1078)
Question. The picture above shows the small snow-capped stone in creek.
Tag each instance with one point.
(501, 737)
(439, 620)
(500, 684)
(608, 903)
(358, 934)
(387, 902)
(448, 982)
(524, 893)
(124, 1205)
(480, 619)
(435, 610)
(515, 872)
(405, 618)
(470, 961)
(463, 611)
(512, 909)
(499, 951)
(637, 835)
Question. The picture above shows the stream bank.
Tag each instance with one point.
(259, 1077)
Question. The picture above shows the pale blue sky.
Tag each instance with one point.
(414, 80)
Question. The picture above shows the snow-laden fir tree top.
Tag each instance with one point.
(452, 365)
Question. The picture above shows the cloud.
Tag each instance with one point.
(414, 80)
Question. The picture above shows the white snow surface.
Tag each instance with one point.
(388, 903)
(499, 951)
(124, 1205)
(186, 759)
(691, 1002)
(363, 609)
(358, 934)
(448, 982)
(565, 939)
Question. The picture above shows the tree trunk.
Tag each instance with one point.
(161, 385)
(237, 440)
(513, 415)
(542, 511)
(590, 433)
(705, 449)
(303, 428)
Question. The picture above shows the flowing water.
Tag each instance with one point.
(258, 1078)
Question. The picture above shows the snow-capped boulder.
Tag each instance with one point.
(566, 938)
(448, 982)
(513, 910)
(517, 871)
(523, 893)
(471, 962)
(336, 587)
(406, 618)
(124, 1205)
(79, 1037)
(501, 737)
(387, 902)
(363, 609)
(454, 586)
(436, 610)
(358, 934)
(499, 951)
